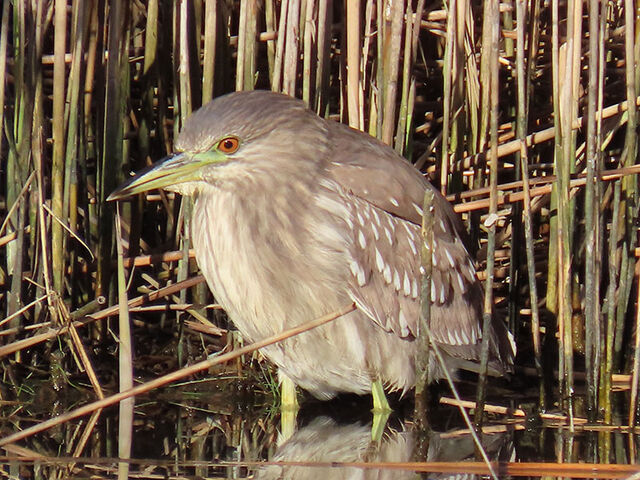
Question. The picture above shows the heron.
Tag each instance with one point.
(295, 216)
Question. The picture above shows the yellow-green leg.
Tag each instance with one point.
(381, 410)
(288, 408)
(288, 395)
(380, 403)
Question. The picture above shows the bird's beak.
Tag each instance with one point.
(172, 170)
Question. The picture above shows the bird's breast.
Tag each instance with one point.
(272, 263)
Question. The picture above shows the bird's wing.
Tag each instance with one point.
(384, 195)
(374, 172)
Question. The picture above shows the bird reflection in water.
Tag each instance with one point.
(324, 440)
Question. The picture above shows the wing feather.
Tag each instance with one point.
(383, 194)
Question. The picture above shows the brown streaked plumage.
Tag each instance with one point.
(295, 217)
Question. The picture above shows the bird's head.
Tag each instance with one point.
(240, 135)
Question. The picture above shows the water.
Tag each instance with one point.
(229, 429)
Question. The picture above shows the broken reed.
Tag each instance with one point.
(94, 89)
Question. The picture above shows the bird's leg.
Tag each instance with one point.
(288, 396)
(380, 403)
(378, 425)
(288, 407)
(381, 411)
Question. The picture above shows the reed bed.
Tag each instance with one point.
(524, 112)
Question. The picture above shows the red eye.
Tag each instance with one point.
(228, 145)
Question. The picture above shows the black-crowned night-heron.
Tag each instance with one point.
(295, 217)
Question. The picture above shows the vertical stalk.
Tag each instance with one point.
(186, 107)
(271, 26)
(209, 58)
(276, 79)
(568, 114)
(491, 38)
(407, 62)
(325, 12)
(629, 183)
(607, 370)
(291, 49)
(74, 115)
(57, 166)
(521, 126)
(423, 354)
(406, 139)
(246, 60)
(592, 211)
(149, 70)
(41, 243)
(310, 54)
(4, 35)
(635, 371)
(378, 93)
(125, 361)
(184, 67)
(112, 136)
(18, 164)
(392, 47)
(352, 20)
(632, 51)
(552, 273)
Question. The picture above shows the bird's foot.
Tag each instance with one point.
(288, 408)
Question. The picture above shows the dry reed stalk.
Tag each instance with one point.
(450, 72)
(4, 36)
(613, 273)
(392, 40)
(247, 35)
(84, 358)
(635, 378)
(422, 352)
(556, 419)
(543, 185)
(291, 48)
(276, 74)
(353, 62)
(522, 123)
(17, 132)
(112, 135)
(324, 21)
(125, 360)
(630, 184)
(108, 312)
(270, 24)
(310, 55)
(144, 260)
(490, 30)
(592, 219)
(58, 160)
(210, 43)
(541, 136)
(552, 274)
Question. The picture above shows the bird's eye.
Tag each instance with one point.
(228, 145)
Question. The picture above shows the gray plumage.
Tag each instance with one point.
(307, 216)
